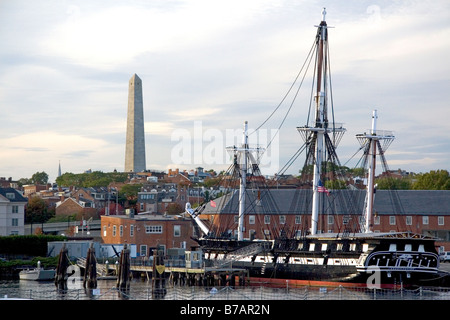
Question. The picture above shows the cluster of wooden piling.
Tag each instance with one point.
(61, 270)
(124, 272)
(175, 276)
(90, 273)
(64, 266)
(158, 276)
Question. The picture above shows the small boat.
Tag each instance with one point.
(37, 274)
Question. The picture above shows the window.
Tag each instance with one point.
(121, 230)
(153, 229)
(408, 220)
(15, 222)
(266, 219)
(330, 219)
(114, 230)
(376, 220)
(282, 219)
(298, 219)
(15, 209)
(392, 220)
(251, 219)
(10, 195)
(104, 231)
(177, 231)
(441, 220)
(143, 250)
(425, 219)
(131, 230)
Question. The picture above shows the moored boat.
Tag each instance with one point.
(37, 274)
(355, 254)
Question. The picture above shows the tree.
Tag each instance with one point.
(93, 179)
(433, 180)
(391, 183)
(129, 194)
(39, 178)
(174, 208)
(37, 211)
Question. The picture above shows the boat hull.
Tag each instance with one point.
(37, 275)
(364, 259)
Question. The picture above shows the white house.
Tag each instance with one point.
(12, 212)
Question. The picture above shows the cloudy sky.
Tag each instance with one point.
(207, 66)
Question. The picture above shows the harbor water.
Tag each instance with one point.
(142, 290)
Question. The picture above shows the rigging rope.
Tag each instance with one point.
(287, 93)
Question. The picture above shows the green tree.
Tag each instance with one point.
(128, 195)
(93, 179)
(390, 183)
(433, 180)
(39, 178)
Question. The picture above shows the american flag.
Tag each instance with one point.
(321, 188)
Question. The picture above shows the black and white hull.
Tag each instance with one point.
(370, 259)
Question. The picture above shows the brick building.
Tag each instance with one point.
(70, 206)
(147, 232)
(420, 211)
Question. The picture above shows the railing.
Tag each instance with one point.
(235, 293)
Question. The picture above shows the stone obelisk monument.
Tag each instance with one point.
(135, 143)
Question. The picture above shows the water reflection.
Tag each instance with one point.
(142, 290)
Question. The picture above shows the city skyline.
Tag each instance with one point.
(215, 64)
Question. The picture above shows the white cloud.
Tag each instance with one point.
(219, 62)
(105, 37)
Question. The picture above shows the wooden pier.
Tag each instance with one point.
(181, 276)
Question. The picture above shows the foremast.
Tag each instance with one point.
(318, 133)
(243, 157)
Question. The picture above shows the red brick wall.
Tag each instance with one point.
(140, 237)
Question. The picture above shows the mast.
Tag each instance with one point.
(317, 135)
(244, 160)
(372, 143)
(320, 123)
(243, 182)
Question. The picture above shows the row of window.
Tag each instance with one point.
(149, 229)
(377, 219)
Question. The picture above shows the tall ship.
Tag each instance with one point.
(307, 251)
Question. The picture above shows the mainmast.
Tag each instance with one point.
(371, 141)
(317, 134)
(243, 182)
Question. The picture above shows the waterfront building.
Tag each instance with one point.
(424, 212)
(148, 232)
(12, 212)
